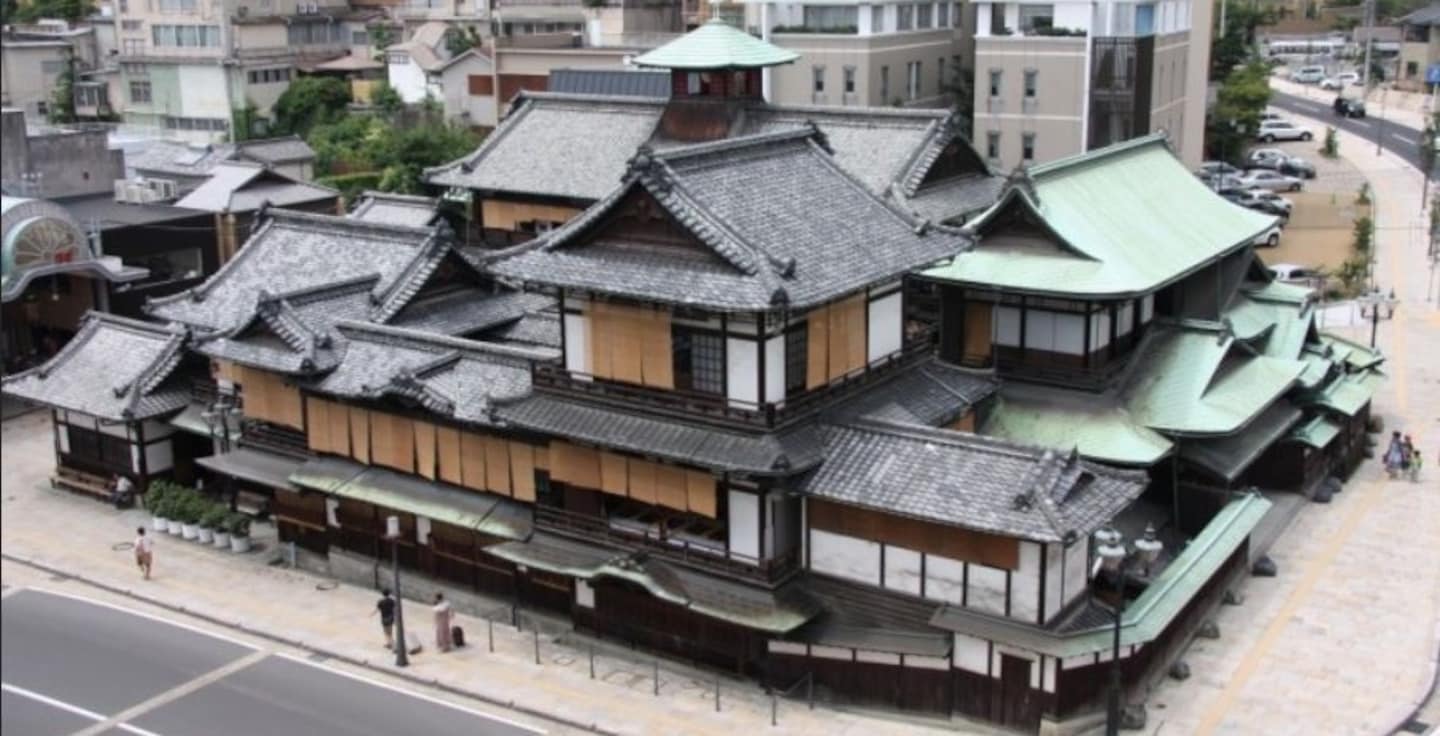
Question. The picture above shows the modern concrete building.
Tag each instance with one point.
(49, 161)
(1419, 47)
(865, 54)
(1058, 78)
(32, 59)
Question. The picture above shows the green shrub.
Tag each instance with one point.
(214, 516)
(237, 524)
(1363, 196)
(1331, 147)
(155, 496)
(352, 185)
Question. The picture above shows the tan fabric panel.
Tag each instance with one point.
(578, 466)
(522, 471)
(700, 492)
(360, 434)
(225, 370)
(838, 329)
(288, 404)
(472, 461)
(447, 444)
(317, 427)
(817, 349)
(425, 449)
(670, 487)
(601, 340)
(642, 480)
(339, 418)
(977, 331)
(392, 442)
(924, 536)
(627, 332)
(966, 422)
(857, 322)
(497, 465)
(542, 458)
(657, 360)
(612, 474)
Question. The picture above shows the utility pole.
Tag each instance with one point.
(1369, 41)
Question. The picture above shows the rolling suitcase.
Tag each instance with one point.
(457, 636)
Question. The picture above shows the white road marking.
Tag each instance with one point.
(180, 624)
(1397, 136)
(1360, 123)
(173, 694)
(410, 693)
(52, 702)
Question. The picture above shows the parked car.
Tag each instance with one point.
(1340, 80)
(1277, 204)
(1349, 107)
(1278, 160)
(1212, 169)
(1281, 130)
(1224, 182)
(1273, 181)
(1270, 116)
(1260, 200)
(1270, 238)
(1290, 273)
(1308, 74)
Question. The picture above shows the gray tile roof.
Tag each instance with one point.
(176, 159)
(243, 186)
(540, 329)
(396, 209)
(970, 481)
(550, 144)
(464, 311)
(616, 82)
(781, 453)
(858, 616)
(954, 198)
(294, 252)
(463, 379)
(785, 223)
(114, 368)
(283, 150)
(929, 393)
(294, 333)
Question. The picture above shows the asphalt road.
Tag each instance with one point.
(1401, 140)
(70, 665)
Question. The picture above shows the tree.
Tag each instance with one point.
(1239, 103)
(243, 122)
(459, 40)
(72, 11)
(357, 144)
(1232, 47)
(961, 86)
(62, 100)
(1428, 150)
(386, 99)
(308, 102)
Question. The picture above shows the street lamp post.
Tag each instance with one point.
(1116, 559)
(1371, 303)
(218, 417)
(392, 533)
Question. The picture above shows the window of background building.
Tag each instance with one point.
(795, 356)
(942, 19)
(849, 80)
(923, 15)
(940, 74)
(1036, 17)
(52, 67)
(992, 144)
(819, 75)
(130, 25)
(877, 19)
(140, 92)
(833, 18)
(359, 38)
(1027, 147)
(1144, 19)
(955, 15)
(995, 79)
(884, 85)
(997, 20)
(912, 80)
(1031, 79)
(699, 360)
(905, 17)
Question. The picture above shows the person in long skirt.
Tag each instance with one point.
(1394, 455)
(443, 616)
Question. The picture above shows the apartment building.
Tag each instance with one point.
(33, 57)
(187, 66)
(1059, 78)
(865, 54)
(1419, 49)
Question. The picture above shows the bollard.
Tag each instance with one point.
(592, 660)
(717, 693)
(490, 633)
(657, 677)
(772, 709)
(810, 690)
(537, 644)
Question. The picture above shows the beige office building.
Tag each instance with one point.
(1059, 78)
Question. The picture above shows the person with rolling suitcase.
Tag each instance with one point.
(443, 617)
(457, 636)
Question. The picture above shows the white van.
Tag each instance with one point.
(1308, 75)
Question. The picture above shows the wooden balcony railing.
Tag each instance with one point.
(714, 559)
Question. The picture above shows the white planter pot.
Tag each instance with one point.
(222, 539)
(159, 523)
(207, 536)
(239, 544)
(190, 531)
(174, 527)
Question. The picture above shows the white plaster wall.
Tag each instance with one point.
(1147, 308)
(845, 557)
(577, 344)
(1007, 326)
(1124, 319)
(1025, 584)
(206, 93)
(902, 569)
(1072, 15)
(775, 370)
(744, 526)
(1100, 331)
(944, 579)
(408, 79)
(584, 594)
(982, 19)
(1076, 571)
(155, 430)
(114, 430)
(987, 589)
(885, 327)
(1039, 330)
(742, 372)
(63, 433)
(1054, 579)
(972, 654)
(159, 457)
(1070, 334)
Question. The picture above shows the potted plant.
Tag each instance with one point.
(154, 501)
(222, 527)
(212, 519)
(239, 528)
(174, 506)
(191, 509)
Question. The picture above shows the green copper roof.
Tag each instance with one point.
(716, 45)
(1317, 433)
(1356, 356)
(1316, 369)
(1146, 617)
(1095, 425)
(1227, 457)
(1347, 394)
(1114, 227)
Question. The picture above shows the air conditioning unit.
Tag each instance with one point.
(144, 191)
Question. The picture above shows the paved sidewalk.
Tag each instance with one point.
(1345, 640)
(77, 535)
(1405, 108)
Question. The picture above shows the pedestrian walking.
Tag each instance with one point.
(144, 551)
(386, 608)
(1411, 462)
(121, 489)
(443, 616)
(1394, 455)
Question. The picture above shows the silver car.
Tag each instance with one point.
(1281, 130)
(1270, 180)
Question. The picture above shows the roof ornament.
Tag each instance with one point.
(1227, 330)
(1023, 501)
(1020, 179)
(781, 463)
(266, 304)
(307, 365)
(467, 166)
(779, 297)
(444, 234)
(922, 227)
(785, 266)
(818, 135)
(196, 295)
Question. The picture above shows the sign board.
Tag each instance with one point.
(1432, 74)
